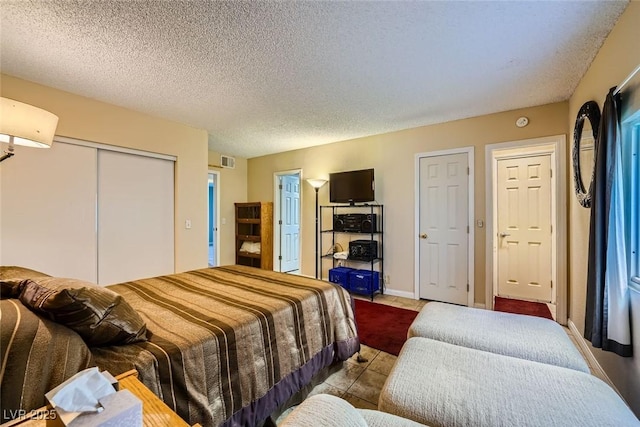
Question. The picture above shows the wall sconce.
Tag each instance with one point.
(24, 124)
(316, 184)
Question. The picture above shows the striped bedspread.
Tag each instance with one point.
(36, 355)
(228, 345)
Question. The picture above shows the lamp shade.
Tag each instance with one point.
(317, 183)
(24, 124)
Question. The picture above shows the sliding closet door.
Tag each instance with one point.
(48, 200)
(135, 217)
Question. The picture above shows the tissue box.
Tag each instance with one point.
(120, 409)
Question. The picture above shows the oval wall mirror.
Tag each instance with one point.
(585, 139)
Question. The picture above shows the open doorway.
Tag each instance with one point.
(213, 196)
(286, 218)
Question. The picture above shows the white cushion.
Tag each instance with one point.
(324, 410)
(442, 384)
(382, 419)
(516, 335)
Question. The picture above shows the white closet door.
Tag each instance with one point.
(48, 199)
(135, 217)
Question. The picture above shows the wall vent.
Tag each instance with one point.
(227, 162)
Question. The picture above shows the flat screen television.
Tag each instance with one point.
(352, 187)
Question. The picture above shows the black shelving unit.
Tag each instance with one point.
(362, 284)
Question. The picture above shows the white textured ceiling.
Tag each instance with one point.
(266, 77)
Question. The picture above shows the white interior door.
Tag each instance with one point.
(524, 252)
(213, 198)
(135, 217)
(443, 228)
(290, 223)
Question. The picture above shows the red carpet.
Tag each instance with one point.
(383, 327)
(508, 305)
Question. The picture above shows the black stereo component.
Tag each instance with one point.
(355, 223)
(363, 250)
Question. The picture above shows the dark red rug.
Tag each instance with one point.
(383, 327)
(517, 306)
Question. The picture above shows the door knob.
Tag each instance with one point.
(504, 234)
(424, 236)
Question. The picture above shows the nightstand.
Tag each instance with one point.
(155, 413)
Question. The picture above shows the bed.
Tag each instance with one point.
(36, 355)
(229, 345)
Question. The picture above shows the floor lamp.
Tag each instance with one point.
(24, 124)
(316, 184)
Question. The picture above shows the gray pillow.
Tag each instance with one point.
(100, 316)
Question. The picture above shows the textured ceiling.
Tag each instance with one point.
(266, 77)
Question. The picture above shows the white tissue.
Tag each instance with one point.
(80, 394)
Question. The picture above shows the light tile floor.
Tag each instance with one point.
(360, 383)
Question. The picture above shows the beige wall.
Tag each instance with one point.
(393, 156)
(618, 56)
(90, 120)
(233, 188)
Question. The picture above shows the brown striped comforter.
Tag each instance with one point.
(37, 355)
(230, 344)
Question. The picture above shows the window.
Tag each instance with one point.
(631, 164)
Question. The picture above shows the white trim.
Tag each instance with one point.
(556, 146)
(635, 199)
(403, 294)
(631, 136)
(107, 147)
(591, 359)
(276, 216)
(217, 208)
(470, 151)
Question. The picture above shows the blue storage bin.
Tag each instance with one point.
(364, 281)
(340, 275)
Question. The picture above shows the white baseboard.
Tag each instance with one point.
(586, 349)
(403, 294)
(411, 295)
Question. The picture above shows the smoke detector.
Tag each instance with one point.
(522, 121)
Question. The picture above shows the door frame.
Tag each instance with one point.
(216, 235)
(471, 212)
(276, 216)
(556, 147)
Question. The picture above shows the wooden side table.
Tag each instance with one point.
(155, 413)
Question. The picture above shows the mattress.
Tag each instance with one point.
(228, 345)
